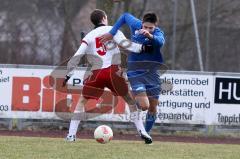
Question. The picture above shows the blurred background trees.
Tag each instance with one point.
(47, 32)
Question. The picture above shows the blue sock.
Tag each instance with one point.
(150, 120)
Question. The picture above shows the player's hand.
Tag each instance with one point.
(146, 33)
(147, 48)
(106, 37)
(65, 80)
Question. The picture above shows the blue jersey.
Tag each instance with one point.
(142, 67)
(134, 25)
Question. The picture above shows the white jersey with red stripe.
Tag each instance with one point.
(101, 55)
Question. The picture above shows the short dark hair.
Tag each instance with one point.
(97, 16)
(150, 17)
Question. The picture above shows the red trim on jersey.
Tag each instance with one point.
(83, 41)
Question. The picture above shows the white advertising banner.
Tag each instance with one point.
(189, 101)
(195, 98)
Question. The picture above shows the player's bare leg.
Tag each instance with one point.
(75, 121)
(142, 100)
(136, 117)
(150, 104)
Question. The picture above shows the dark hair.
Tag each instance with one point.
(150, 17)
(97, 16)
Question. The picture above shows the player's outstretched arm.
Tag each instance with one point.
(123, 42)
(74, 61)
(125, 18)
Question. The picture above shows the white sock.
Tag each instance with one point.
(73, 127)
(136, 117)
(75, 121)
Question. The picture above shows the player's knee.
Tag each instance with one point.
(144, 108)
(144, 105)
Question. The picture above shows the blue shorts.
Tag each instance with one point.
(148, 82)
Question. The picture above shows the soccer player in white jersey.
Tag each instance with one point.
(106, 72)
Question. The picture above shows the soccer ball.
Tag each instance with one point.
(103, 134)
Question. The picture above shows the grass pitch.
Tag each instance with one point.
(56, 148)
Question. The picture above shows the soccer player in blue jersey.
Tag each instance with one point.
(143, 69)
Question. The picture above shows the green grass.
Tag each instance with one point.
(55, 148)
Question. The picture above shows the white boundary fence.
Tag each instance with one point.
(207, 98)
